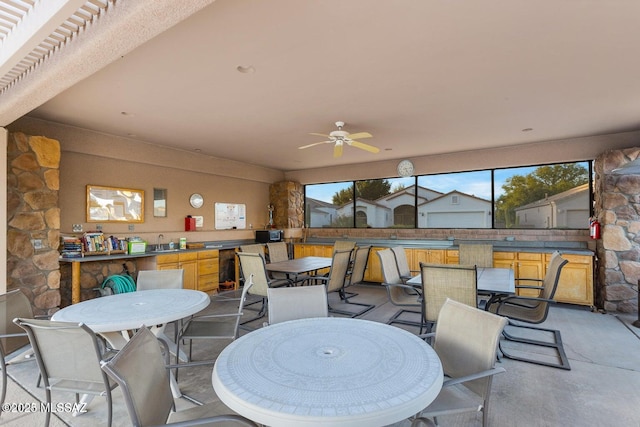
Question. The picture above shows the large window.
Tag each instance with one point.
(455, 200)
(546, 196)
(549, 196)
(329, 205)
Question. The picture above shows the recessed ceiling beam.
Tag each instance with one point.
(37, 24)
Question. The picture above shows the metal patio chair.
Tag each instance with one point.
(399, 293)
(143, 375)
(466, 341)
(69, 356)
(534, 310)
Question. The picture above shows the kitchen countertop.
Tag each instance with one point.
(576, 248)
(221, 245)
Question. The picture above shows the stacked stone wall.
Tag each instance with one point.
(287, 198)
(33, 219)
(617, 208)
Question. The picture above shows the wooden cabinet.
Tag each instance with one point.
(208, 270)
(431, 256)
(529, 266)
(524, 265)
(374, 269)
(189, 263)
(504, 260)
(302, 250)
(186, 261)
(452, 256)
(576, 280)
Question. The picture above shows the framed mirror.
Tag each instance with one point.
(113, 204)
(160, 202)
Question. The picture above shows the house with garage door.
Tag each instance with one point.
(568, 209)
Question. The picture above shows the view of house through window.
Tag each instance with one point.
(547, 196)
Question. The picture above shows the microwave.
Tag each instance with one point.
(266, 236)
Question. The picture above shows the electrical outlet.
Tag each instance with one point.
(99, 227)
(76, 228)
(132, 227)
(37, 244)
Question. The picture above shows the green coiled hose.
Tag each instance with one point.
(119, 283)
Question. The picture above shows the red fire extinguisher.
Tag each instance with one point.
(594, 229)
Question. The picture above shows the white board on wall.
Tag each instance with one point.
(230, 215)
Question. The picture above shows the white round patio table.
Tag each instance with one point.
(131, 310)
(328, 372)
(114, 315)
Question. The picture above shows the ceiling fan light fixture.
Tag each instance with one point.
(339, 137)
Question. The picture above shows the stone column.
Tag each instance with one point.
(33, 219)
(617, 208)
(287, 197)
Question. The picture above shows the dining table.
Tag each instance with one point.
(491, 281)
(114, 316)
(329, 371)
(293, 268)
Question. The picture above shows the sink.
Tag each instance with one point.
(165, 250)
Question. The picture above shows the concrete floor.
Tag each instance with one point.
(601, 389)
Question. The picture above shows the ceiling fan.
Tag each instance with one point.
(340, 138)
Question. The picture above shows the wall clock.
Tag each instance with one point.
(196, 200)
(405, 168)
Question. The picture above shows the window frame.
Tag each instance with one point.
(415, 179)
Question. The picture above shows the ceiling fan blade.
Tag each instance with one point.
(319, 134)
(315, 143)
(337, 150)
(360, 135)
(366, 147)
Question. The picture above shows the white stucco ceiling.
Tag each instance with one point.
(423, 76)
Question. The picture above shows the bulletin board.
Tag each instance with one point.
(230, 215)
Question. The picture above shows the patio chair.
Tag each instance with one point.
(403, 263)
(466, 341)
(480, 255)
(142, 373)
(12, 337)
(253, 264)
(279, 251)
(399, 293)
(161, 279)
(299, 302)
(446, 281)
(534, 310)
(257, 248)
(69, 355)
(223, 326)
(356, 276)
(337, 277)
(343, 245)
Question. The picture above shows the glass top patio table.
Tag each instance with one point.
(300, 265)
(328, 372)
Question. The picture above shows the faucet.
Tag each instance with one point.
(159, 245)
